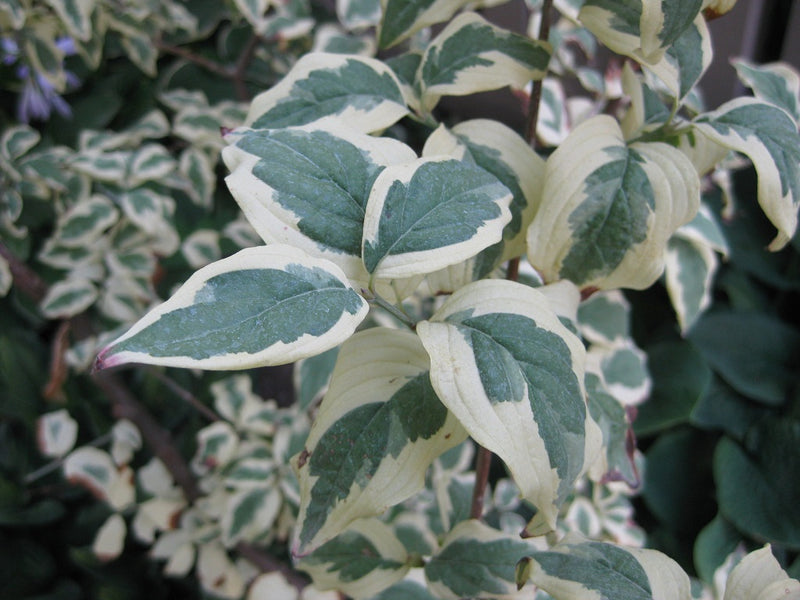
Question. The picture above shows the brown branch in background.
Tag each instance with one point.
(241, 68)
(126, 406)
(58, 365)
(536, 93)
(482, 464)
(201, 61)
(184, 395)
(25, 279)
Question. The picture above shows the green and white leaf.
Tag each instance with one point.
(308, 186)
(358, 14)
(148, 209)
(379, 418)
(604, 318)
(689, 274)
(201, 247)
(103, 166)
(409, 227)
(512, 373)
(403, 18)
(362, 561)
(249, 514)
(84, 222)
(262, 306)
(641, 30)
(476, 561)
(472, 55)
(93, 469)
(553, 124)
(646, 111)
(217, 573)
(578, 569)
(759, 576)
(216, 447)
(6, 278)
(362, 92)
(151, 162)
(76, 16)
(608, 209)
(623, 369)
(17, 140)
(140, 48)
(56, 433)
(499, 150)
(330, 37)
(777, 83)
(768, 136)
(126, 439)
(198, 172)
(68, 297)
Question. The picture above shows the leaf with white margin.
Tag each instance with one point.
(759, 576)
(17, 140)
(358, 14)
(686, 60)
(201, 180)
(110, 538)
(476, 561)
(428, 214)
(125, 441)
(217, 573)
(85, 221)
(604, 318)
(689, 274)
(249, 514)
(201, 247)
(403, 18)
(362, 92)
(502, 152)
(93, 469)
(362, 561)
(232, 396)
(768, 137)
(216, 446)
(6, 278)
(147, 208)
(512, 373)
(638, 29)
(308, 186)
(472, 55)
(579, 569)
(262, 306)
(151, 162)
(623, 368)
(378, 429)
(56, 433)
(608, 209)
(777, 83)
(646, 112)
(68, 298)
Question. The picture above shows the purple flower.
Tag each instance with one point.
(38, 99)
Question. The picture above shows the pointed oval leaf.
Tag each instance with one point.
(512, 373)
(689, 274)
(778, 83)
(379, 418)
(768, 137)
(663, 22)
(249, 514)
(360, 562)
(607, 209)
(68, 298)
(362, 92)
(476, 561)
(110, 538)
(472, 55)
(308, 186)
(56, 433)
(403, 18)
(262, 306)
(17, 140)
(758, 572)
(431, 213)
(581, 569)
(85, 221)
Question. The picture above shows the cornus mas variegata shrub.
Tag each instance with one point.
(472, 289)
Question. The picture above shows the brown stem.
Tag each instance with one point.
(267, 564)
(482, 464)
(241, 68)
(25, 278)
(536, 93)
(185, 395)
(202, 61)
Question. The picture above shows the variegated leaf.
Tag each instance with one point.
(252, 10)
(502, 152)
(608, 209)
(428, 214)
(76, 16)
(362, 92)
(17, 140)
(778, 83)
(638, 29)
(262, 306)
(379, 417)
(93, 469)
(308, 186)
(512, 373)
(68, 298)
(201, 180)
(201, 247)
(86, 221)
(217, 573)
(360, 562)
(140, 48)
(146, 208)
(689, 274)
(581, 569)
(403, 18)
(150, 162)
(358, 14)
(249, 514)
(472, 55)
(104, 166)
(476, 561)
(604, 318)
(56, 433)
(759, 576)
(6, 278)
(623, 368)
(768, 136)
(14, 12)
(646, 111)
